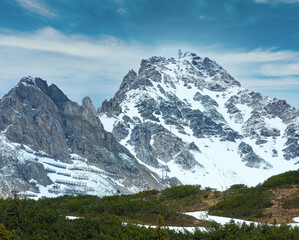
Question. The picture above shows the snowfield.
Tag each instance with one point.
(203, 215)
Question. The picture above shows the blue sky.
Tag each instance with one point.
(86, 47)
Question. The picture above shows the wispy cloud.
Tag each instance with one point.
(37, 6)
(281, 69)
(120, 7)
(288, 83)
(79, 65)
(86, 66)
(242, 63)
(51, 40)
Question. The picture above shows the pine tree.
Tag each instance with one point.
(12, 214)
(6, 234)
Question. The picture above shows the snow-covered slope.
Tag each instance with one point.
(192, 116)
(54, 177)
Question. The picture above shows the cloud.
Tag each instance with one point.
(280, 70)
(82, 66)
(242, 63)
(37, 6)
(288, 83)
(121, 11)
(259, 55)
(51, 40)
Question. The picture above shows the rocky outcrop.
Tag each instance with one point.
(186, 160)
(140, 139)
(43, 118)
(30, 116)
(19, 176)
(251, 158)
(292, 145)
(281, 109)
(112, 106)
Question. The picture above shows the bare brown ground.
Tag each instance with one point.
(277, 212)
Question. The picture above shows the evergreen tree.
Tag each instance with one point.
(11, 214)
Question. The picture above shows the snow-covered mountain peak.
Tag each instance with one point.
(189, 69)
(176, 121)
(174, 103)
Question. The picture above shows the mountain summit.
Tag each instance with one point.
(176, 121)
(190, 116)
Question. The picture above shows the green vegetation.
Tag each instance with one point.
(138, 206)
(181, 191)
(103, 218)
(248, 203)
(287, 178)
(6, 234)
(238, 186)
(29, 219)
(188, 197)
(246, 232)
(242, 202)
(291, 203)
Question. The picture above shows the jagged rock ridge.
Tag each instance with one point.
(240, 136)
(44, 132)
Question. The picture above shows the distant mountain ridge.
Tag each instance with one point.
(186, 118)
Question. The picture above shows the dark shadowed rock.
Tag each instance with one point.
(34, 171)
(140, 139)
(251, 158)
(292, 147)
(120, 131)
(192, 146)
(186, 160)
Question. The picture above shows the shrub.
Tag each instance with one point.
(247, 204)
(287, 178)
(291, 203)
(238, 186)
(181, 191)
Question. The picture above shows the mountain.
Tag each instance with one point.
(51, 145)
(191, 117)
(178, 121)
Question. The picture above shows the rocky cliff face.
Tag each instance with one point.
(237, 136)
(41, 127)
